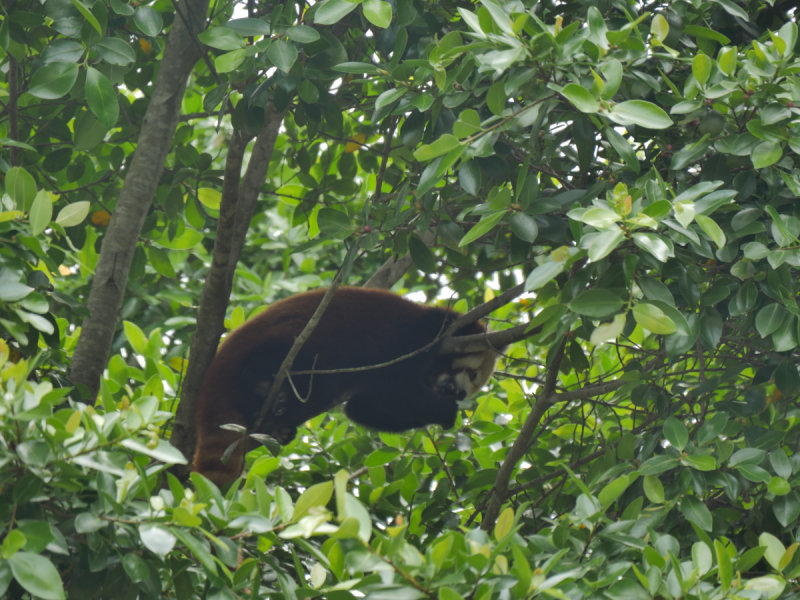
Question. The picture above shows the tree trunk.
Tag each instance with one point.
(236, 210)
(119, 244)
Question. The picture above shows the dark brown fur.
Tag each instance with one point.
(359, 328)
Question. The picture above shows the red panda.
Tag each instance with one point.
(360, 327)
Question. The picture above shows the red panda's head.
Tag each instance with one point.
(466, 374)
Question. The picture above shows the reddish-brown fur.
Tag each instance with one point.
(359, 328)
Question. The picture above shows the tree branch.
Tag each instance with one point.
(465, 344)
(252, 181)
(119, 242)
(395, 268)
(545, 399)
(517, 450)
(213, 304)
(486, 308)
(287, 363)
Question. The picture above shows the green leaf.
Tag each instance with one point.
(41, 212)
(147, 20)
(523, 226)
(37, 575)
(378, 12)
(639, 112)
(188, 239)
(303, 34)
(653, 319)
(356, 68)
(198, 549)
(613, 490)
(786, 509)
(15, 540)
(581, 98)
(135, 567)
(73, 214)
(101, 97)
(61, 50)
(121, 8)
(712, 230)
(780, 463)
(13, 291)
(659, 27)
(209, 197)
(308, 92)
(54, 81)
(136, 337)
(87, 14)
(608, 331)
(701, 68)
(499, 16)
(21, 186)
(658, 464)
(653, 244)
(163, 451)
(596, 303)
(775, 549)
(422, 255)
(676, 433)
(334, 223)
(696, 512)
(653, 489)
(726, 59)
(389, 96)
(332, 11)
(701, 462)
(225, 63)
(283, 54)
(442, 145)
(115, 51)
(316, 496)
(469, 176)
(600, 218)
(156, 539)
(706, 33)
(725, 567)
(222, 38)
(623, 147)
(769, 319)
(543, 274)
(684, 213)
(780, 487)
(605, 242)
(485, 225)
(249, 27)
(159, 260)
(766, 154)
(690, 153)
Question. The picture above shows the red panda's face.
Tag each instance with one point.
(467, 374)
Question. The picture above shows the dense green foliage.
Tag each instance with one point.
(636, 166)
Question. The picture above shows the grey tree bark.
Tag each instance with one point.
(236, 210)
(119, 244)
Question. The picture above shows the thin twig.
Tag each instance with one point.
(287, 363)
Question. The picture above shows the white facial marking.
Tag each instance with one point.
(472, 371)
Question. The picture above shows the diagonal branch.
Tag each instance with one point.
(517, 450)
(486, 308)
(236, 211)
(287, 363)
(545, 399)
(394, 269)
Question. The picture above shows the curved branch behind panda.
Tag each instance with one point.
(361, 327)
